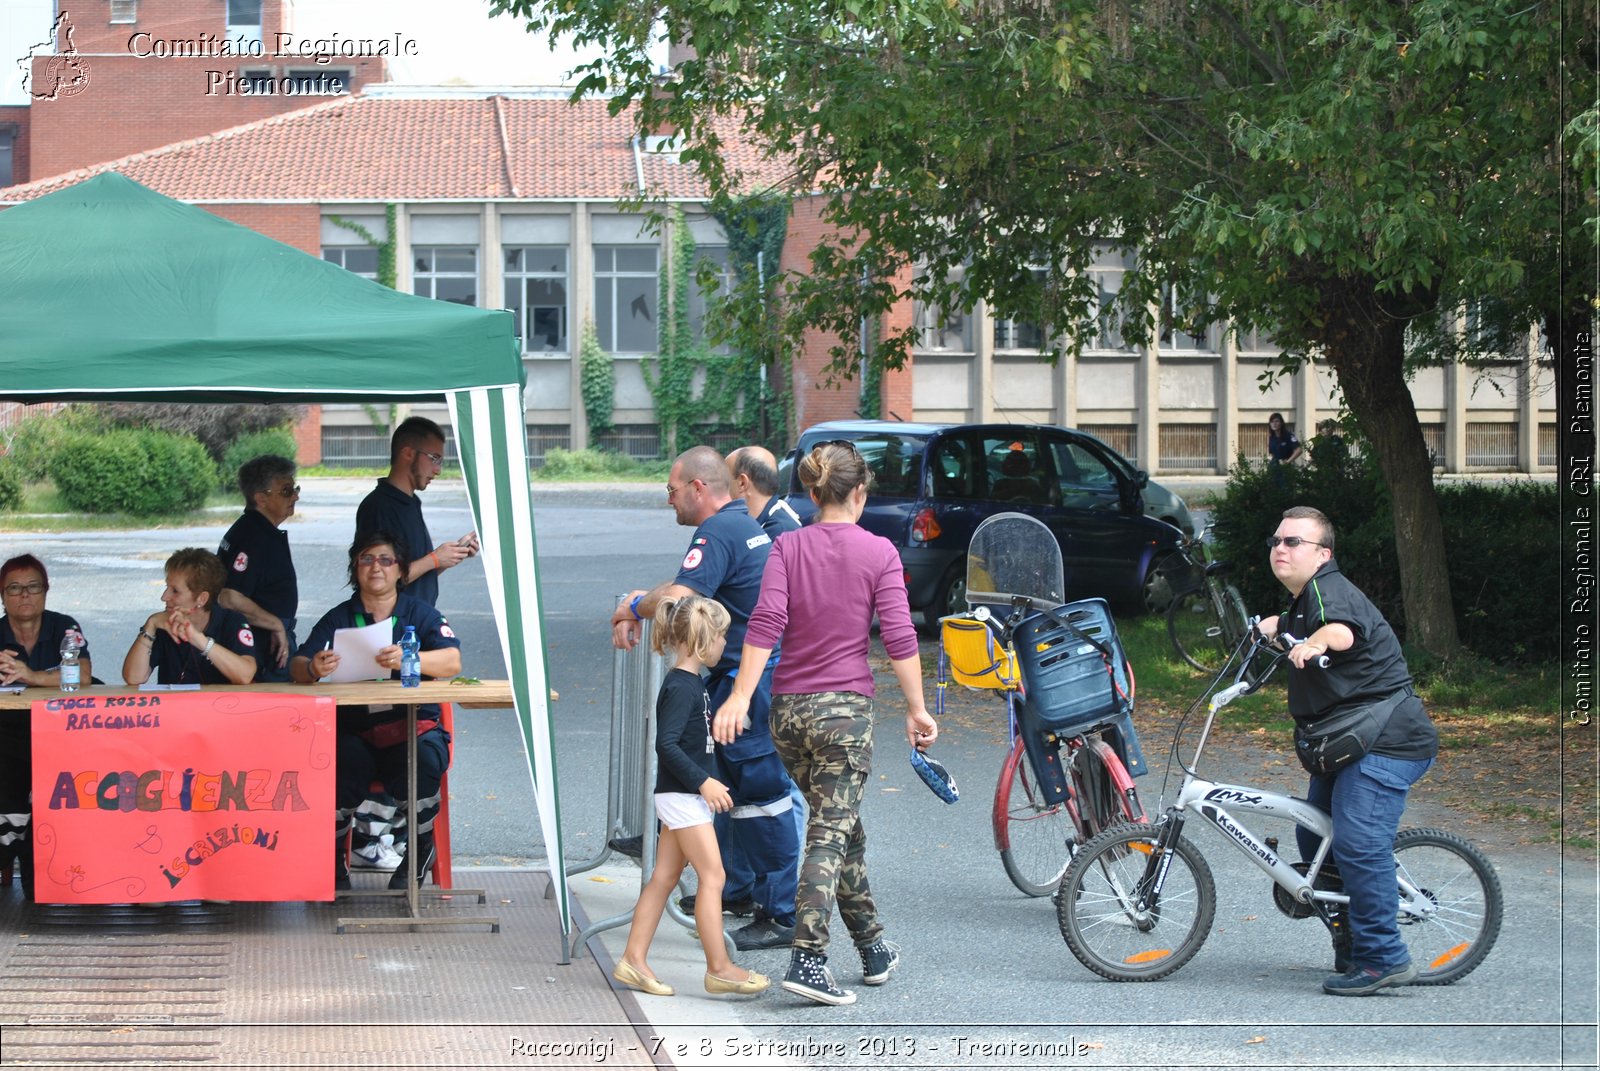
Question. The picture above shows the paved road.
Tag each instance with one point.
(981, 962)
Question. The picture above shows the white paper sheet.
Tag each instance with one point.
(358, 649)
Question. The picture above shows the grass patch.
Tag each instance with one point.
(1166, 679)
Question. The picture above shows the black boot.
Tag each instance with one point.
(25, 864)
(397, 880)
(341, 866)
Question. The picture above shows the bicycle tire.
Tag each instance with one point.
(1102, 790)
(1034, 837)
(1237, 622)
(1104, 930)
(1196, 632)
(1463, 904)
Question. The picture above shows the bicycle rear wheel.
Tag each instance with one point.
(1034, 837)
(1102, 789)
(1451, 922)
(1197, 633)
(1098, 908)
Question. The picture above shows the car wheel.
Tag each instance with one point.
(950, 597)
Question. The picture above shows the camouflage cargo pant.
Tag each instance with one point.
(825, 740)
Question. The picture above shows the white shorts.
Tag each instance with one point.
(678, 810)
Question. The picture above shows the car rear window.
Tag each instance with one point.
(895, 460)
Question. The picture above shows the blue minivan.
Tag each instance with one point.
(934, 483)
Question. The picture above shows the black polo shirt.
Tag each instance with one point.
(181, 663)
(398, 513)
(255, 555)
(1373, 668)
(46, 654)
(433, 633)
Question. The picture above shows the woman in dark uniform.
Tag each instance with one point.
(30, 655)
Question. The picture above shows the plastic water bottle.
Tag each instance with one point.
(70, 670)
(410, 659)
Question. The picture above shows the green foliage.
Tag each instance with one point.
(1499, 541)
(10, 484)
(694, 388)
(1333, 174)
(278, 441)
(215, 426)
(37, 438)
(597, 379)
(143, 472)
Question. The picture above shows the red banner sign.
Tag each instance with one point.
(161, 796)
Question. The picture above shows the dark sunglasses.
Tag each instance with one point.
(846, 443)
(1289, 541)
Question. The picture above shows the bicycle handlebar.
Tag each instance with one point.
(1322, 660)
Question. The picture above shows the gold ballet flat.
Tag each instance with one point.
(747, 988)
(629, 975)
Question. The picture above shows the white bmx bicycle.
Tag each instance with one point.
(1137, 902)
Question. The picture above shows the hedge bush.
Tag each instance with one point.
(1500, 541)
(143, 473)
(10, 484)
(37, 438)
(279, 440)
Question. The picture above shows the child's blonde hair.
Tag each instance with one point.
(690, 624)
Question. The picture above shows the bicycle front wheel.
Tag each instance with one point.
(1034, 837)
(1098, 905)
(1197, 633)
(1450, 914)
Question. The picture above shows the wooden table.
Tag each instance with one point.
(486, 695)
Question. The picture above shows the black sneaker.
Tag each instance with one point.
(810, 977)
(397, 880)
(742, 908)
(341, 869)
(877, 960)
(1363, 981)
(763, 933)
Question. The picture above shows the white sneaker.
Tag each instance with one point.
(376, 855)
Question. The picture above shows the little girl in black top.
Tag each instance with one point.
(695, 629)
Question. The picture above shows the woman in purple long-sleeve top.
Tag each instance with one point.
(822, 587)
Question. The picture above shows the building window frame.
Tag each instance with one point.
(1020, 336)
(238, 20)
(530, 293)
(703, 303)
(438, 272)
(341, 255)
(623, 287)
(124, 11)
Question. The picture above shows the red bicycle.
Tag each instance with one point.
(1072, 751)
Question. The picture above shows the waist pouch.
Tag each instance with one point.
(393, 733)
(1328, 745)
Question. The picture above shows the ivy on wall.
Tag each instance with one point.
(597, 381)
(698, 392)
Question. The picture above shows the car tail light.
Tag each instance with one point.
(925, 526)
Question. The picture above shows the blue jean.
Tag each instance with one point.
(1366, 801)
(774, 890)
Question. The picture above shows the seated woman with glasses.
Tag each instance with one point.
(31, 638)
(194, 640)
(372, 738)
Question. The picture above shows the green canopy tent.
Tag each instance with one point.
(108, 290)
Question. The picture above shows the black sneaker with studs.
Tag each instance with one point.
(877, 960)
(810, 977)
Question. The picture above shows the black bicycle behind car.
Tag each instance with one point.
(935, 483)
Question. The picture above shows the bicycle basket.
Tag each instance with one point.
(974, 658)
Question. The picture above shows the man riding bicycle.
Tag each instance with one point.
(1363, 668)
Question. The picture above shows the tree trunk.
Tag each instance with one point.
(1365, 344)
